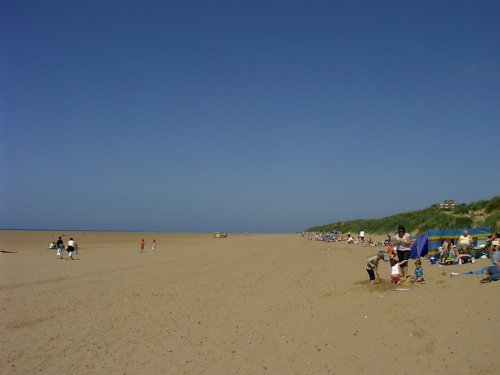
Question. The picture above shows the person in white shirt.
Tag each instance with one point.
(70, 248)
(464, 242)
(402, 243)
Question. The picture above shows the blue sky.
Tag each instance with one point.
(243, 116)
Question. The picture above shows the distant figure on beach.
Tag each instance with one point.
(143, 243)
(70, 248)
(60, 248)
(489, 243)
(372, 265)
(153, 246)
(387, 240)
(402, 242)
(350, 239)
(362, 236)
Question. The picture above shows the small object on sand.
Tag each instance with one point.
(454, 274)
(443, 273)
(401, 289)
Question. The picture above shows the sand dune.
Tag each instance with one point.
(248, 304)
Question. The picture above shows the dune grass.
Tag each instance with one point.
(486, 214)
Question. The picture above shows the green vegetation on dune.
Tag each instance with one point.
(486, 213)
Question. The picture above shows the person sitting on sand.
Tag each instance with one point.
(418, 276)
(350, 239)
(489, 243)
(445, 250)
(493, 270)
(464, 256)
(451, 256)
(464, 242)
(372, 265)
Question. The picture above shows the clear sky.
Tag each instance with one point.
(243, 116)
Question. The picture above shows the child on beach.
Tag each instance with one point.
(372, 265)
(445, 250)
(142, 244)
(153, 246)
(60, 250)
(395, 272)
(418, 276)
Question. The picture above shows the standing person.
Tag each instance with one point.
(372, 265)
(402, 243)
(143, 243)
(153, 246)
(362, 236)
(60, 248)
(70, 248)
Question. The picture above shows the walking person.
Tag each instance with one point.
(70, 248)
(60, 248)
(143, 243)
(153, 246)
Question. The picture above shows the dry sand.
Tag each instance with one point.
(248, 304)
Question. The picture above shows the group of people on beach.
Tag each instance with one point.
(450, 254)
(59, 245)
(399, 255)
(142, 244)
(335, 236)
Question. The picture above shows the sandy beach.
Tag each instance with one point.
(247, 304)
